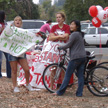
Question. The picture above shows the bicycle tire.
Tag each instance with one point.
(47, 77)
(97, 81)
(105, 64)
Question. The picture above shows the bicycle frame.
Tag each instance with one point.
(64, 57)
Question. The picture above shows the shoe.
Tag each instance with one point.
(29, 87)
(16, 90)
(54, 94)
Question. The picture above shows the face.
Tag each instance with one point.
(73, 26)
(18, 22)
(59, 19)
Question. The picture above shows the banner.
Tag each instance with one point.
(17, 41)
(37, 63)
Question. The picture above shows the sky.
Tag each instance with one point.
(37, 1)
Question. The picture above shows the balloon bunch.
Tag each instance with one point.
(99, 15)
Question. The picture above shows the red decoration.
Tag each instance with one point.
(96, 22)
(93, 11)
(106, 8)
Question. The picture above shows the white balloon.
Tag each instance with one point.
(102, 15)
(99, 8)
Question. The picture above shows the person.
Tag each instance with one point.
(59, 34)
(2, 26)
(77, 58)
(43, 30)
(21, 60)
(60, 31)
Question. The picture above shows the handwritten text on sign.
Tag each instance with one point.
(17, 41)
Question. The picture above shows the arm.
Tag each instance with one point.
(72, 39)
(53, 37)
(1, 27)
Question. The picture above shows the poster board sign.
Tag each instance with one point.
(17, 41)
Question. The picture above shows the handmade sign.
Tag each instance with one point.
(17, 41)
(37, 63)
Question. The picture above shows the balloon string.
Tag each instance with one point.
(100, 46)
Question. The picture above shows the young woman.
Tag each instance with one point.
(21, 60)
(2, 26)
(61, 31)
(77, 59)
(59, 34)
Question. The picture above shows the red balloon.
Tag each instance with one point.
(93, 11)
(106, 8)
(96, 22)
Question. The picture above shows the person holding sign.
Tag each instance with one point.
(2, 26)
(77, 59)
(21, 60)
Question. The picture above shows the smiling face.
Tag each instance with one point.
(73, 27)
(59, 18)
(18, 22)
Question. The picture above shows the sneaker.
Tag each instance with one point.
(29, 87)
(16, 90)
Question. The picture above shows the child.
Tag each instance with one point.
(21, 60)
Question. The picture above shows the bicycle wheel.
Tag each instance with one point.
(53, 76)
(105, 64)
(98, 81)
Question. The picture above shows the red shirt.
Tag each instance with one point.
(57, 30)
(60, 31)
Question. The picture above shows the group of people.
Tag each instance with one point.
(72, 37)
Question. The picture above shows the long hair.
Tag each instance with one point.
(78, 25)
(2, 16)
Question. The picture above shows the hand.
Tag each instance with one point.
(62, 36)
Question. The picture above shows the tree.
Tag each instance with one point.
(78, 9)
(60, 2)
(25, 8)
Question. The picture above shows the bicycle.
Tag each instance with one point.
(52, 79)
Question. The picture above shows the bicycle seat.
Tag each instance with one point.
(90, 57)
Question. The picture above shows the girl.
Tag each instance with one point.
(21, 60)
(2, 26)
(77, 59)
(60, 32)
(59, 35)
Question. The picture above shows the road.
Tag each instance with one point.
(103, 51)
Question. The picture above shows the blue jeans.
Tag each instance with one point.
(78, 65)
(8, 68)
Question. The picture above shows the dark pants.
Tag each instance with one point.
(8, 68)
(78, 65)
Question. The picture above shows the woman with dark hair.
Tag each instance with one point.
(2, 26)
(77, 58)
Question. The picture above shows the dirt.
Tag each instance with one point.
(44, 99)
